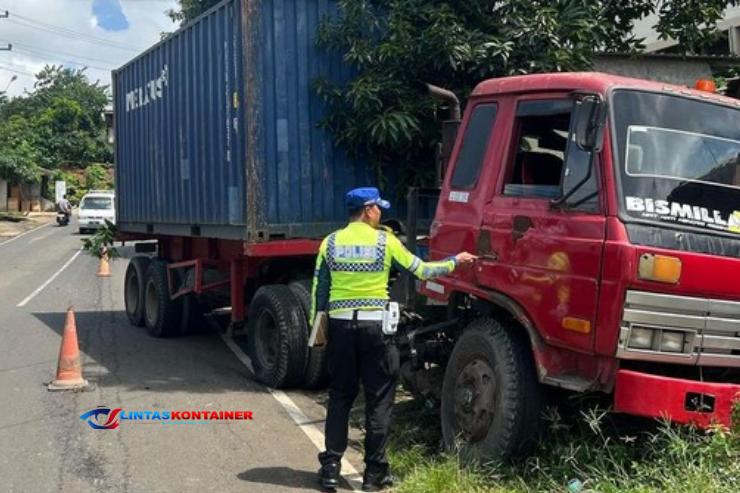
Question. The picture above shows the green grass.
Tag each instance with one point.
(608, 453)
(13, 217)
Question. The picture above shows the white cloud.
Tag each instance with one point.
(66, 32)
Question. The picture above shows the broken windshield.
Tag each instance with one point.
(679, 160)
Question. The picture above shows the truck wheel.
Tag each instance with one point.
(317, 373)
(133, 290)
(161, 314)
(491, 399)
(277, 340)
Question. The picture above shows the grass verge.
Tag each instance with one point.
(12, 217)
(608, 453)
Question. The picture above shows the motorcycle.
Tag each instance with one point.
(62, 218)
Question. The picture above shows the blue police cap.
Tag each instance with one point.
(360, 197)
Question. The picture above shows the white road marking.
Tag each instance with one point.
(51, 279)
(23, 234)
(353, 477)
(41, 237)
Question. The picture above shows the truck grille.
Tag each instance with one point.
(711, 328)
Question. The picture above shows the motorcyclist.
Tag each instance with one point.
(65, 207)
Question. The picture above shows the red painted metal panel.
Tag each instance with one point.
(654, 396)
(288, 248)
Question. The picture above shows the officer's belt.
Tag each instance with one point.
(368, 315)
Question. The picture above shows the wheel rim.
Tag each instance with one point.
(475, 399)
(266, 339)
(151, 304)
(132, 293)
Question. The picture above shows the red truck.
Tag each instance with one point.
(605, 211)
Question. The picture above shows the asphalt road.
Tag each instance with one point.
(46, 447)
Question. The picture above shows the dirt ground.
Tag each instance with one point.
(9, 229)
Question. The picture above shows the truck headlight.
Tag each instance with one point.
(641, 338)
(672, 342)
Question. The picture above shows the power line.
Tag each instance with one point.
(36, 49)
(68, 33)
(73, 32)
(41, 55)
(2, 67)
(76, 37)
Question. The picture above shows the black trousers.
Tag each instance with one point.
(359, 351)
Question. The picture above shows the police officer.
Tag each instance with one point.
(351, 284)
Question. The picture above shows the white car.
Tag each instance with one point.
(95, 208)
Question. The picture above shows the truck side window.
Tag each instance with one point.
(474, 145)
(544, 164)
(541, 143)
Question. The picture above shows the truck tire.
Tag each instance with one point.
(162, 314)
(317, 373)
(491, 399)
(133, 290)
(277, 340)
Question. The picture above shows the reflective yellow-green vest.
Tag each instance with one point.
(354, 264)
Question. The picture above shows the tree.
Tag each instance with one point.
(394, 44)
(65, 114)
(190, 9)
(19, 155)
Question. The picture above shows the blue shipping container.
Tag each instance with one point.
(217, 128)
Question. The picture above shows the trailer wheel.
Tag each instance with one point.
(277, 340)
(133, 290)
(161, 313)
(491, 399)
(317, 373)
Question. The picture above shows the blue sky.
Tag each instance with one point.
(100, 35)
(109, 14)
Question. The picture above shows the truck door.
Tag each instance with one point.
(547, 257)
(457, 219)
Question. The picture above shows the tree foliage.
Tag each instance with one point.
(19, 152)
(190, 9)
(57, 124)
(392, 44)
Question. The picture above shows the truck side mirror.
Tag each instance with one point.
(590, 122)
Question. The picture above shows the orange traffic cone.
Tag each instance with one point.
(104, 269)
(69, 370)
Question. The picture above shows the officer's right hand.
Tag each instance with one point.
(465, 258)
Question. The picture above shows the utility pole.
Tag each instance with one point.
(7, 47)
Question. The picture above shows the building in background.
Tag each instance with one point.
(728, 45)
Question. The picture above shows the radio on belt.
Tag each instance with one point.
(391, 316)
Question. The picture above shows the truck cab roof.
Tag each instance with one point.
(585, 81)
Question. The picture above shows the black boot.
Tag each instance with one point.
(377, 480)
(329, 475)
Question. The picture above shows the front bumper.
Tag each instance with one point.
(86, 223)
(681, 401)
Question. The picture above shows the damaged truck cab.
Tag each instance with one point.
(606, 214)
